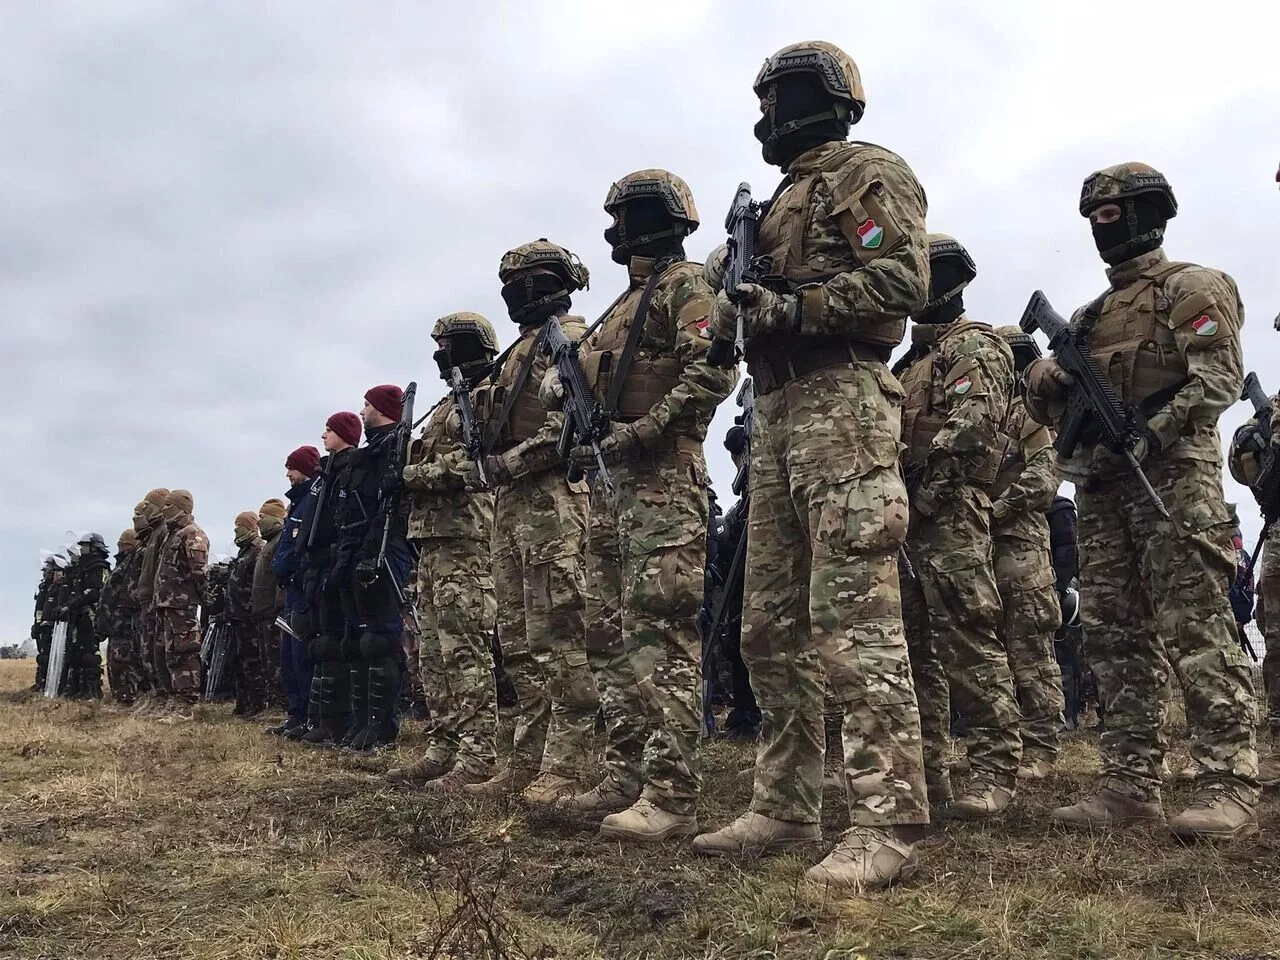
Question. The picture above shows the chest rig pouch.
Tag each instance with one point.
(816, 228)
(628, 372)
(521, 415)
(1130, 338)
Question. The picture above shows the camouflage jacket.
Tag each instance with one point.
(115, 607)
(240, 581)
(151, 546)
(1167, 335)
(953, 420)
(266, 598)
(669, 383)
(1028, 480)
(181, 569)
(847, 235)
(439, 506)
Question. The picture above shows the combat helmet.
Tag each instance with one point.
(835, 68)
(1125, 181)
(950, 250)
(92, 541)
(1024, 346)
(662, 184)
(466, 323)
(550, 256)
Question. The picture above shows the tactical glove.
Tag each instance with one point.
(625, 441)
(1048, 383)
(551, 390)
(763, 312)
(999, 511)
(713, 269)
(1147, 445)
(502, 468)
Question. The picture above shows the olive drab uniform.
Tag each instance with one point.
(117, 618)
(646, 547)
(1023, 493)
(150, 620)
(248, 668)
(954, 431)
(1167, 336)
(1269, 624)
(540, 526)
(452, 528)
(180, 574)
(828, 505)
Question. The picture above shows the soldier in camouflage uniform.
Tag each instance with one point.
(245, 664)
(116, 621)
(83, 660)
(540, 524)
(1024, 491)
(452, 525)
(1167, 335)
(1247, 446)
(845, 253)
(957, 376)
(179, 581)
(647, 365)
(266, 600)
(150, 641)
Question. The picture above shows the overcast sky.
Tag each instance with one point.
(222, 221)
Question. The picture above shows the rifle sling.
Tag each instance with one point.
(509, 401)
(633, 338)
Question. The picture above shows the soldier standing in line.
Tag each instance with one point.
(42, 626)
(150, 641)
(180, 574)
(844, 249)
(1167, 336)
(115, 620)
(452, 526)
(646, 546)
(1024, 491)
(246, 665)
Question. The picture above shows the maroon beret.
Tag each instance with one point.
(304, 460)
(346, 425)
(387, 399)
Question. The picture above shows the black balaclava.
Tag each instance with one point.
(945, 274)
(645, 228)
(533, 298)
(1139, 230)
(795, 97)
(463, 350)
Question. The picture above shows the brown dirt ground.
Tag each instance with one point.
(124, 838)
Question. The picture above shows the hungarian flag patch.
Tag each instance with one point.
(703, 327)
(962, 386)
(1204, 325)
(871, 235)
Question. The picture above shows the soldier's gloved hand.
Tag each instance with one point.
(551, 390)
(502, 468)
(367, 571)
(35, 631)
(999, 511)
(925, 501)
(713, 269)
(1147, 445)
(391, 483)
(1247, 447)
(1048, 382)
(766, 311)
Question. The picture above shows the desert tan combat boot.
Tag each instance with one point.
(547, 788)
(1108, 808)
(1269, 770)
(755, 835)
(455, 780)
(608, 796)
(1215, 816)
(416, 774)
(1035, 769)
(505, 781)
(866, 858)
(646, 821)
(981, 800)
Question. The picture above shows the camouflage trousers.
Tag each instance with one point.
(952, 612)
(1147, 582)
(180, 636)
(1269, 624)
(248, 668)
(151, 638)
(1032, 615)
(124, 664)
(539, 583)
(645, 557)
(822, 605)
(456, 612)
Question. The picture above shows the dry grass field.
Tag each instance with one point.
(126, 838)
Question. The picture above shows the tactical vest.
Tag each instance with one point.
(926, 409)
(1032, 438)
(780, 243)
(653, 374)
(527, 412)
(1133, 343)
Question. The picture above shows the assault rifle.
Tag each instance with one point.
(401, 438)
(1091, 403)
(472, 434)
(747, 401)
(743, 226)
(585, 420)
(1265, 487)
